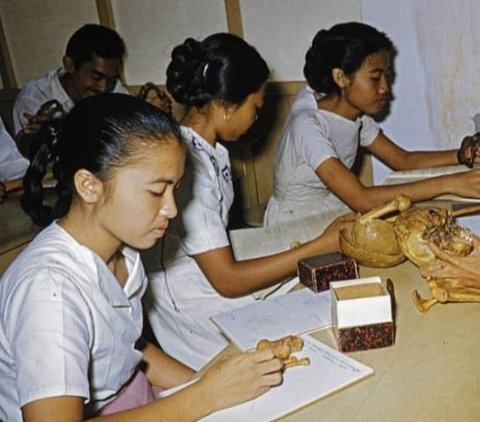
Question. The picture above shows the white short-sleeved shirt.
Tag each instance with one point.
(12, 163)
(310, 137)
(37, 92)
(180, 299)
(67, 327)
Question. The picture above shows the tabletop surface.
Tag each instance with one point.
(432, 373)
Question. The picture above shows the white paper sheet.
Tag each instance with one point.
(298, 312)
(257, 242)
(408, 176)
(329, 371)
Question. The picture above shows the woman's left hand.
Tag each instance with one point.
(469, 150)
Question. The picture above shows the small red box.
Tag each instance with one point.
(316, 272)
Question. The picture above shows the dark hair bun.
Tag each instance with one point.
(221, 67)
(185, 73)
(317, 67)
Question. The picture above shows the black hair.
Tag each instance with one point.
(221, 67)
(98, 40)
(344, 46)
(100, 133)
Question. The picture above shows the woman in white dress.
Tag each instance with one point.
(70, 304)
(348, 70)
(194, 275)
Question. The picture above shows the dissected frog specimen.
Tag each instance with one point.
(283, 349)
(384, 243)
(416, 227)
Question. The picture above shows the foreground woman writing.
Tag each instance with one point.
(71, 314)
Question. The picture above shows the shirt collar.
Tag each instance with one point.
(109, 285)
(62, 96)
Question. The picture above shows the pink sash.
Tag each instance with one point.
(136, 393)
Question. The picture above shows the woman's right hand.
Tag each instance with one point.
(465, 184)
(241, 378)
(328, 240)
(464, 270)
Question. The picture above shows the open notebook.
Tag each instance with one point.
(329, 371)
(257, 242)
(408, 176)
(299, 312)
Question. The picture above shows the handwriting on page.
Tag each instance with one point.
(329, 371)
(296, 313)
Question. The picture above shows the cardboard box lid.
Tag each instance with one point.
(361, 301)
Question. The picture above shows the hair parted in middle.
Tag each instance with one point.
(221, 67)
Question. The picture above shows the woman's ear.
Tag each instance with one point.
(88, 186)
(68, 64)
(340, 78)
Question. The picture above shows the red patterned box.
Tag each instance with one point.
(318, 271)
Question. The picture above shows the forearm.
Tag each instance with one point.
(226, 383)
(398, 158)
(239, 278)
(426, 159)
(189, 404)
(369, 197)
(162, 370)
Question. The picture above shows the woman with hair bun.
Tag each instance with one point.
(70, 304)
(193, 273)
(348, 70)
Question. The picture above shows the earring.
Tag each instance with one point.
(226, 116)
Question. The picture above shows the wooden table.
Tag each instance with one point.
(431, 374)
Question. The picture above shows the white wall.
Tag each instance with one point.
(151, 29)
(282, 30)
(37, 32)
(437, 70)
(437, 65)
(438, 73)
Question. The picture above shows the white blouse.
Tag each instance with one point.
(38, 91)
(180, 299)
(310, 137)
(67, 327)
